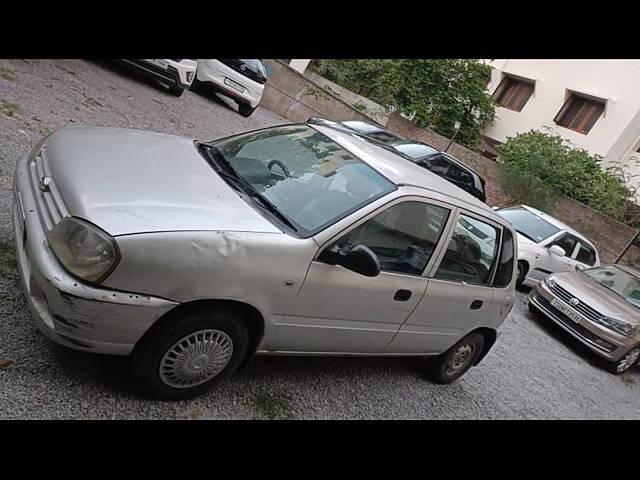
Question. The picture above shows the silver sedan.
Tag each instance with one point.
(192, 256)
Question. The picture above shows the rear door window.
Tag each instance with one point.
(438, 165)
(471, 253)
(459, 175)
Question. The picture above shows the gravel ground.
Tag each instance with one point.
(535, 371)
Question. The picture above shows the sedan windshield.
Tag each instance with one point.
(618, 281)
(301, 174)
(528, 223)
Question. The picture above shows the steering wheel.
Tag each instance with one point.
(282, 166)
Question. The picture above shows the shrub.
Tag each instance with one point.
(548, 163)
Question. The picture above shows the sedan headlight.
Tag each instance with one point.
(83, 249)
(623, 328)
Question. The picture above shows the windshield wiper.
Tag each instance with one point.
(232, 174)
(525, 235)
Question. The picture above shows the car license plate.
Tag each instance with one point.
(158, 62)
(567, 310)
(233, 84)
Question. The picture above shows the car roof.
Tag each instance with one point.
(400, 171)
(556, 223)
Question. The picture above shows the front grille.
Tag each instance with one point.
(51, 206)
(581, 308)
(241, 68)
(576, 327)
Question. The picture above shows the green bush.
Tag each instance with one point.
(548, 162)
(435, 93)
(523, 187)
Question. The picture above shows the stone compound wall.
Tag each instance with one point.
(296, 97)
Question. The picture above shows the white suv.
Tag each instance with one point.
(241, 80)
(178, 74)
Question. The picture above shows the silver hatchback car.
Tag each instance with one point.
(301, 239)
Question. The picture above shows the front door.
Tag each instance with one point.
(338, 310)
(549, 263)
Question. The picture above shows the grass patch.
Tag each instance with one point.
(7, 74)
(272, 407)
(8, 262)
(628, 380)
(9, 109)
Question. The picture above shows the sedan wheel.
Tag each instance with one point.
(627, 361)
(189, 351)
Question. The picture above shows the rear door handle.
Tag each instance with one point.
(402, 295)
(476, 304)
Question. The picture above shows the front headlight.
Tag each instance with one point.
(83, 249)
(623, 328)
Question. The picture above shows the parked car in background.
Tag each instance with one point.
(297, 239)
(241, 80)
(546, 245)
(177, 74)
(598, 306)
(425, 155)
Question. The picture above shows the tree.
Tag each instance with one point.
(434, 93)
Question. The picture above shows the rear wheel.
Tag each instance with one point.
(245, 110)
(455, 362)
(190, 352)
(627, 361)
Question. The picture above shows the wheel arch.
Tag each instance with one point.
(490, 337)
(253, 319)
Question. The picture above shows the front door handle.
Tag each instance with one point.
(476, 304)
(402, 295)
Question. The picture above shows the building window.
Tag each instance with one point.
(579, 113)
(513, 93)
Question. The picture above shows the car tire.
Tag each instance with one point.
(626, 362)
(522, 272)
(175, 90)
(452, 364)
(245, 110)
(190, 352)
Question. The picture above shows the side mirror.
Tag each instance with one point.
(557, 250)
(359, 259)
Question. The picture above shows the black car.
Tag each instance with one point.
(425, 155)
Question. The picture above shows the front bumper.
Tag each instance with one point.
(176, 73)
(588, 332)
(68, 311)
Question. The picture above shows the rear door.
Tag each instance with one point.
(460, 294)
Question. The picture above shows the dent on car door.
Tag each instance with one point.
(338, 310)
(459, 296)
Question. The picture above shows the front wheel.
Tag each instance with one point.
(175, 90)
(454, 363)
(190, 352)
(627, 361)
(245, 110)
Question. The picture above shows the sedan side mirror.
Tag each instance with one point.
(557, 250)
(359, 259)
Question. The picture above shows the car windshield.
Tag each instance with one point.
(415, 150)
(618, 281)
(308, 178)
(528, 223)
(255, 65)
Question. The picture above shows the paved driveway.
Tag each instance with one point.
(534, 371)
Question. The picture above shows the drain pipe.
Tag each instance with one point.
(635, 237)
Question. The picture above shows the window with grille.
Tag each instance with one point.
(513, 93)
(579, 113)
